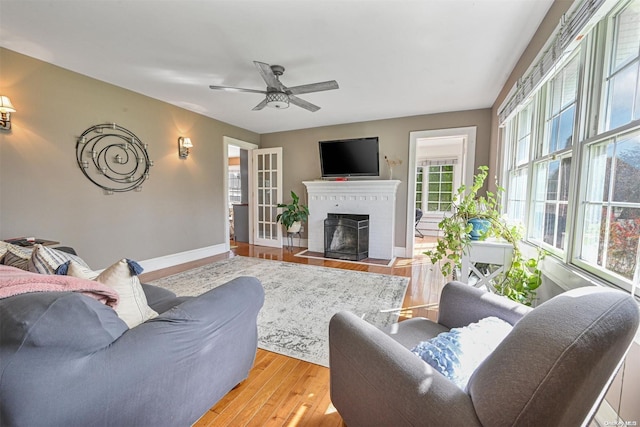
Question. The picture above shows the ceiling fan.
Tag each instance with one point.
(277, 94)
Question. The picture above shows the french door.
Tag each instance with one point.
(267, 183)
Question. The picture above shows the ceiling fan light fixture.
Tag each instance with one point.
(278, 100)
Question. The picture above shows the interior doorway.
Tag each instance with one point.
(439, 162)
(237, 189)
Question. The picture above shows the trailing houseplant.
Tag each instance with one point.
(293, 214)
(520, 282)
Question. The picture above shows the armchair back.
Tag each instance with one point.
(557, 362)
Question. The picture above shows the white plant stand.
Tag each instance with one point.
(486, 252)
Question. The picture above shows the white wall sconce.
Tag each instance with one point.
(6, 108)
(184, 144)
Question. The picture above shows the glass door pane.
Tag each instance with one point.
(268, 164)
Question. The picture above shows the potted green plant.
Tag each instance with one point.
(293, 214)
(521, 280)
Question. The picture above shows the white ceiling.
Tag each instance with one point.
(391, 58)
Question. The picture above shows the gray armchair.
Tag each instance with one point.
(552, 369)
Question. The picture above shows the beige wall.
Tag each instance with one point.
(302, 161)
(43, 193)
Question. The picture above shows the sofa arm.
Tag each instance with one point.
(201, 348)
(160, 299)
(462, 304)
(233, 299)
(376, 381)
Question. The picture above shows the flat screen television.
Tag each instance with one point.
(349, 157)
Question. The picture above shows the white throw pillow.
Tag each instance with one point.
(76, 270)
(457, 353)
(132, 308)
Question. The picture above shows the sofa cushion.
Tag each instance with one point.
(160, 299)
(411, 332)
(16, 256)
(66, 321)
(133, 307)
(45, 260)
(457, 353)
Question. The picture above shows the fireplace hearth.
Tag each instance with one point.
(346, 236)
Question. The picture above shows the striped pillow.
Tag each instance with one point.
(3, 250)
(46, 260)
(16, 256)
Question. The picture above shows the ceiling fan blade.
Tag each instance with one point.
(261, 105)
(304, 104)
(267, 74)
(313, 87)
(236, 89)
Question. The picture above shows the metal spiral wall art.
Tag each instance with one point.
(113, 158)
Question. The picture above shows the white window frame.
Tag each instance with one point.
(592, 99)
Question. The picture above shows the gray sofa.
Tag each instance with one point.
(68, 360)
(551, 370)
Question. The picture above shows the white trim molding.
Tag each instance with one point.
(159, 263)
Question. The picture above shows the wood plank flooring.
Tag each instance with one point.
(282, 391)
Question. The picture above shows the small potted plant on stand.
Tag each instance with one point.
(475, 217)
(293, 214)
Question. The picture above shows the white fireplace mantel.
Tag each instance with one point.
(376, 198)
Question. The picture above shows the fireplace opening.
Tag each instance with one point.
(346, 236)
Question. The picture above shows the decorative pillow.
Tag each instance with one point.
(46, 260)
(457, 353)
(3, 250)
(123, 277)
(72, 268)
(17, 256)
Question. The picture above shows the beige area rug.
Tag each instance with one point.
(299, 300)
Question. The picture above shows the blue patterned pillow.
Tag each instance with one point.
(457, 353)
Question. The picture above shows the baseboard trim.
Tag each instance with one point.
(166, 261)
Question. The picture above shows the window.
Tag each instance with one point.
(517, 200)
(520, 133)
(419, 182)
(573, 151)
(235, 186)
(561, 108)
(623, 78)
(612, 213)
(552, 167)
(551, 202)
(524, 135)
(439, 188)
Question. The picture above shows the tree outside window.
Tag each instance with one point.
(612, 212)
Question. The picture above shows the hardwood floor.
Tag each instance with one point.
(282, 391)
